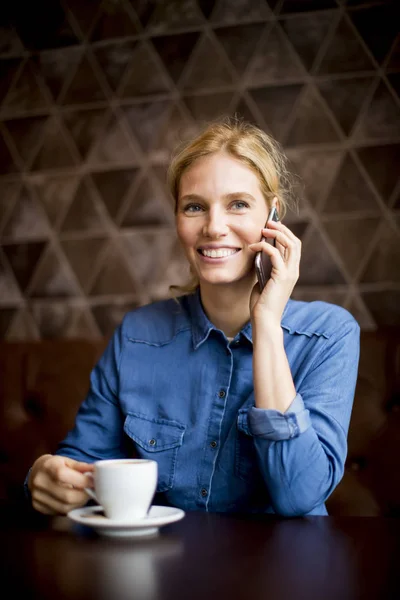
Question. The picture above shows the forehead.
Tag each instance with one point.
(218, 174)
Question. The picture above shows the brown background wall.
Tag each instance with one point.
(93, 96)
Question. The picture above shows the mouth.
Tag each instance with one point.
(217, 256)
(217, 253)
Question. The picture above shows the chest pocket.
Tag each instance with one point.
(159, 440)
(246, 465)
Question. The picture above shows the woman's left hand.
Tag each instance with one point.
(285, 260)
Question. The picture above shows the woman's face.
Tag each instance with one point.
(220, 211)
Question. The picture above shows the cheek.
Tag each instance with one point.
(250, 231)
(185, 232)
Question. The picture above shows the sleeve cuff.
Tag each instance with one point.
(274, 425)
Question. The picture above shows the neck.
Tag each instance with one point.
(227, 306)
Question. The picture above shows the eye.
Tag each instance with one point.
(192, 208)
(239, 204)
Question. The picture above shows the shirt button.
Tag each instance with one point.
(152, 442)
(204, 492)
(213, 444)
(221, 393)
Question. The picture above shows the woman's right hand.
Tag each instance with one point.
(57, 484)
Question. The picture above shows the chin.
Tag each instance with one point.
(223, 278)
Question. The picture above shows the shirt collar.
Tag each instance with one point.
(202, 326)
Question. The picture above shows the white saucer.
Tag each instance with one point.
(157, 517)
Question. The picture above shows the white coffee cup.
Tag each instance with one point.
(124, 487)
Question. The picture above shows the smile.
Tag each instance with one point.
(219, 253)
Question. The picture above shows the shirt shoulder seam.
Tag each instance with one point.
(307, 332)
(158, 343)
(349, 322)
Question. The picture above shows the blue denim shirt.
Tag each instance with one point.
(171, 387)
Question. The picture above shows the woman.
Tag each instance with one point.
(243, 398)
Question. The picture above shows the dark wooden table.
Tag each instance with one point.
(204, 556)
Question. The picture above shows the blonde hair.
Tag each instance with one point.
(244, 142)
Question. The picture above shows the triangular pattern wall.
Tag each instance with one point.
(95, 94)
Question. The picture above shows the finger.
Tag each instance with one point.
(79, 465)
(273, 252)
(281, 247)
(50, 506)
(278, 225)
(288, 247)
(60, 499)
(280, 236)
(42, 508)
(70, 478)
(261, 247)
(60, 491)
(66, 471)
(282, 250)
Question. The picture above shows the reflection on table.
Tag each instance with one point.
(204, 555)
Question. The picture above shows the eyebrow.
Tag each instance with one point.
(231, 196)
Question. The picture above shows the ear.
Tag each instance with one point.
(275, 202)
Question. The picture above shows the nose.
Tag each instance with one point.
(215, 225)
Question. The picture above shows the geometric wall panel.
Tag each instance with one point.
(55, 194)
(318, 266)
(350, 191)
(345, 52)
(113, 187)
(144, 75)
(83, 255)
(27, 218)
(317, 169)
(307, 32)
(84, 213)
(25, 92)
(236, 12)
(113, 21)
(274, 59)
(384, 263)
(377, 25)
(53, 278)
(239, 43)
(113, 276)
(275, 105)
(94, 98)
(382, 165)
(9, 292)
(345, 97)
(342, 232)
(23, 259)
(382, 117)
(312, 124)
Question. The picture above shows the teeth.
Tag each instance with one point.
(219, 253)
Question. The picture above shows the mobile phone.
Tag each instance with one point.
(263, 262)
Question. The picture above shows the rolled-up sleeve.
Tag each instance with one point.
(275, 425)
(302, 452)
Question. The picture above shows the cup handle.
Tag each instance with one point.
(89, 491)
